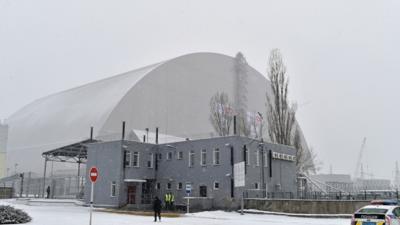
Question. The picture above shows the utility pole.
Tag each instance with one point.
(21, 175)
(397, 176)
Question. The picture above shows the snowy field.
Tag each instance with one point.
(77, 215)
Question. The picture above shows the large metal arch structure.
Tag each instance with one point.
(173, 95)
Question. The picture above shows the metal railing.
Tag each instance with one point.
(27, 185)
(319, 195)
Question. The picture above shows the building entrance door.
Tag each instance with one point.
(132, 194)
(147, 192)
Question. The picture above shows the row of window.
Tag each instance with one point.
(132, 159)
(203, 157)
(179, 186)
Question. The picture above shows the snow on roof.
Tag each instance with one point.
(137, 135)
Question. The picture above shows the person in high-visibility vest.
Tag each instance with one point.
(167, 201)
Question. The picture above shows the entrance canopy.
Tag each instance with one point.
(73, 153)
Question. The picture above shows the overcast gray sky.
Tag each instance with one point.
(342, 57)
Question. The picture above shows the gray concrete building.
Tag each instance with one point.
(131, 173)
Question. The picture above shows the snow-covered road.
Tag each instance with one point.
(77, 215)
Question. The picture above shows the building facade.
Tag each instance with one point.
(133, 173)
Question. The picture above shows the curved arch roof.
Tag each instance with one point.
(76, 109)
(151, 96)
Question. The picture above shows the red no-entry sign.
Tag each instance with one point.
(93, 174)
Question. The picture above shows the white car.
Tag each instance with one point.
(379, 212)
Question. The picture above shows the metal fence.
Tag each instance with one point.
(315, 195)
(6, 192)
(29, 185)
(261, 193)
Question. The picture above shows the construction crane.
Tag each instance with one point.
(360, 154)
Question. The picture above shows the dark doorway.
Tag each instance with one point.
(203, 191)
(132, 194)
(147, 192)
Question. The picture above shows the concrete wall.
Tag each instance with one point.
(306, 206)
(143, 172)
(107, 157)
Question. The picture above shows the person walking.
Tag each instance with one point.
(48, 191)
(157, 209)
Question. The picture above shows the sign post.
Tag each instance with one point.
(188, 192)
(93, 174)
(239, 176)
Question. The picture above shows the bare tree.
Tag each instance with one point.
(305, 158)
(281, 115)
(221, 113)
(240, 98)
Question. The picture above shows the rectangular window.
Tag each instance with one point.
(168, 186)
(265, 159)
(256, 186)
(160, 156)
(191, 158)
(216, 185)
(203, 191)
(169, 155)
(127, 158)
(216, 157)
(135, 161)
(257, 158)
(203, 157)
(151, 159)
(247, 156)
(158, 186)
(179, 186)
(113, 189)
(180, 155)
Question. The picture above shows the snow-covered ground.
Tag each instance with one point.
(77, 215)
